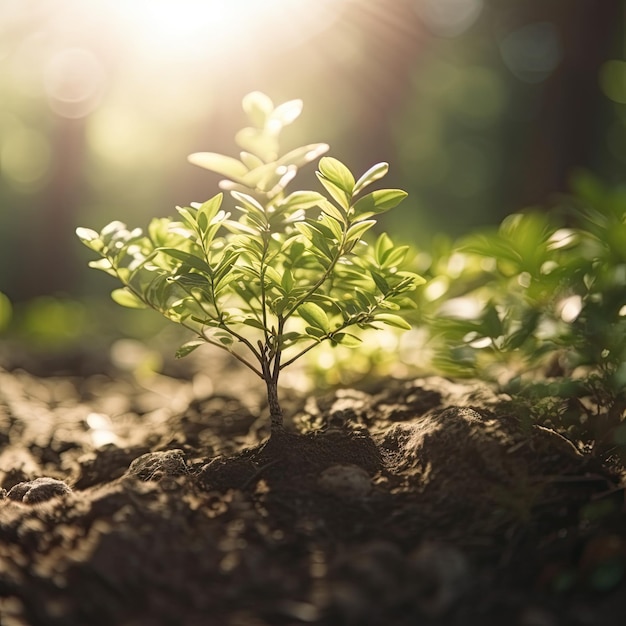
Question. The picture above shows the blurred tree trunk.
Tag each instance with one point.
(565, 132)
(50, 267)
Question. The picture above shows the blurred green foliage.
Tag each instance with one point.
(538, 305)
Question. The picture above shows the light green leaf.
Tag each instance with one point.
(286, 113)
(315, 333)
(287, 282)
(254, 322)
(347, 339)
(273, 276)
(189, 347)
(208, 210)
(393, 320)
(225, 339)
(248, 202)
(220, 164)
(337, 173)
(336, 193)
(189, 217)
(258, 142)
(395, 256)
(303, 155)
(301, 200)
(314, 315)
(305, 229)
(330, 209)
(104, 265)
(383, 246)
(251, 161)
(189, 259)
(257, 107)
(373, 174)
(111, 229)
(127, 298)
(158, 230)
(379, 201)
(90, 238)
(333, 225)
(356, 231)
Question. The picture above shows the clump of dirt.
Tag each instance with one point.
(147, 501)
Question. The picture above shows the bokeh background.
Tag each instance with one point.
(482, 107)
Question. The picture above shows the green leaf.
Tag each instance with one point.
(383, 246)
(336, 193)
(225, 339)
(208, 211)
(330, 209)
(158, 230)
(303, 155)
(189, 218)
(365, 299)
(356, 231)
(379, 201)
(90, 238)
(189, 347)
(189, 259)
(258, 107)
(491, 322)
(103, 265)
(254, 323)
(316, 333)
(249, 203)
(394, 257)
(314, 315)
(258, 142)
(380, 281)
(337, 173)
(332, 225)
(251, 161)
(127, 298)
(112, 229)
(289, 339)
(301, 200)
(273, 276)
(347, 339)
(220, 164)
(373, 174)
(286, 113)
(287, 282)
(392, 320)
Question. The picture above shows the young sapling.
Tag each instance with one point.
(282, 273)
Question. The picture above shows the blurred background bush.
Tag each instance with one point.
(482, 107)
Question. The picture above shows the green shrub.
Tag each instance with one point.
(287, 271)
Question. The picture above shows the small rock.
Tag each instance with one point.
(156, 465)
(346, 481)
(38, 490)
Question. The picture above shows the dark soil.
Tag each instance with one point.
(158, 500)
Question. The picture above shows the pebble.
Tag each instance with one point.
(38, 490)
(346, 481)
(156, 465)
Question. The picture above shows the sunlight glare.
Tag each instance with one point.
(203, 27)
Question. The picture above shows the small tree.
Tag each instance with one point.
(290, 271)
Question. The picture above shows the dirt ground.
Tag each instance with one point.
(157, 500)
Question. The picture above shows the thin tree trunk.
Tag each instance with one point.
(276, 413)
